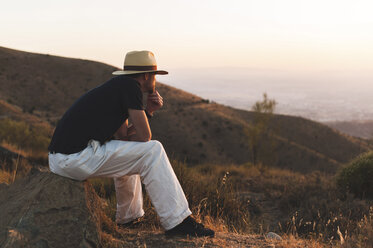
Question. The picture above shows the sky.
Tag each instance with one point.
(291, 35)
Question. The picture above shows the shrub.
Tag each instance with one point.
(356, 177)
(20, 134)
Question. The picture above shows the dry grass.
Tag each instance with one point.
(211, 198)
(15, 149)
(14, 168)
(6, 177)
(362, 237)
(309, 207)
(29, 141)
(21, 134)
(38, 156)
(290, 241)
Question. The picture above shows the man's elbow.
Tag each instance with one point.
(145, 137)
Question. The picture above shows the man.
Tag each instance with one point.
(93, 139)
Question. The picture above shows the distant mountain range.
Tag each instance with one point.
(362, 129)
(41, 87)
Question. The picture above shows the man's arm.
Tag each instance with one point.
(122, 132)
(141, 125)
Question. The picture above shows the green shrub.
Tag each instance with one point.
(357, 177)
(22, 135)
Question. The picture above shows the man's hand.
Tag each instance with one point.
(123, 132)
(154, 102)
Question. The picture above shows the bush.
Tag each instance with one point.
(356, 177)
(22, 135)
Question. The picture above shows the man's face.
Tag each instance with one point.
(150, 83)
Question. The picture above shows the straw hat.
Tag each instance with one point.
(139, 62)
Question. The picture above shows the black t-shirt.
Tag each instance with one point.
(96, 115)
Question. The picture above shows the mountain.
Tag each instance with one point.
(45, 83)
(191, 128)
(362, 129)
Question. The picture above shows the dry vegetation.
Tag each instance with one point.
(299, 206)
(22, 146)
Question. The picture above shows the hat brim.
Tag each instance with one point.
(161, 72)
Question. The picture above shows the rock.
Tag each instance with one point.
(3, 186)
(272, 235)
(46, 210)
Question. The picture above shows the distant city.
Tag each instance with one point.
(323, 97)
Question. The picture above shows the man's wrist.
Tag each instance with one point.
(148, 114)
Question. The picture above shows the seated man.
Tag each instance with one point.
(93, 139)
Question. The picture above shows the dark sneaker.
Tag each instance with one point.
(190, 227)
(132, 224)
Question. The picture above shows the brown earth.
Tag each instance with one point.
(46, 210)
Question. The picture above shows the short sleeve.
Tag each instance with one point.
(133, 96)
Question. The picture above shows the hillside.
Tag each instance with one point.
(14, 112)
(45, 83)
(191, 128)
(362, 129)
(214, 133)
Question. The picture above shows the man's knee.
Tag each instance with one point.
(155, 149)
(155, 145)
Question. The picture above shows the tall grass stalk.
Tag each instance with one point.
(15, 170)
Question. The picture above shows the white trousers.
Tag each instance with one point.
(128, 162)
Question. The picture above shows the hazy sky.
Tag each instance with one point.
(277, 34)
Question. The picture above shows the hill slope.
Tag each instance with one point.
(190, 127)
(46, 83)
(362, 129)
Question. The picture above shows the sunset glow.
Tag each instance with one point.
(288, 34)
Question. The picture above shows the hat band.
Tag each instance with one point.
(139, 67)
